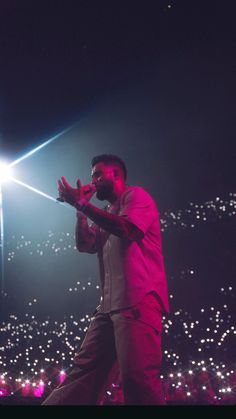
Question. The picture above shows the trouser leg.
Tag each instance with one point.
(92, 365)
(138, 346)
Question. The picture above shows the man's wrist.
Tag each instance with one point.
(81, 204)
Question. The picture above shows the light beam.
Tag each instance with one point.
(2, 285)
(5, 174)
(30, 153)
(31, 188)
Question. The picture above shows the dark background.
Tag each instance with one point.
(153, 82)
(162, 74)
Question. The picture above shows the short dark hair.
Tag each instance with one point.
(110, 159)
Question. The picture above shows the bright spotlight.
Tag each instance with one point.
(5, 172)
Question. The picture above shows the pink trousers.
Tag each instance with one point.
(131, 337)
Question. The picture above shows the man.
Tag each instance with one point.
(126, 327)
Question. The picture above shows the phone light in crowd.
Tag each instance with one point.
(26, 388)
(62, 376)
(39, 390)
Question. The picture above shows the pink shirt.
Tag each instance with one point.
(130, 270)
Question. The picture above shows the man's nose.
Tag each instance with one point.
(94, 180)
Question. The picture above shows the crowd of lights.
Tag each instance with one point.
(197, 213)
(58, 242)
(36, 354)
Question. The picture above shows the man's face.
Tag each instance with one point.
(103, 179)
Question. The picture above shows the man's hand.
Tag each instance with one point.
(73, 195)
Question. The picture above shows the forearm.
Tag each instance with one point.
(85, 237)
(112, 223)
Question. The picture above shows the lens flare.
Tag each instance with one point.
(5, 172)
(31, 188)
(34, 150)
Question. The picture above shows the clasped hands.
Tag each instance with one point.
(74, 195)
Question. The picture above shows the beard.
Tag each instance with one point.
(104, 190)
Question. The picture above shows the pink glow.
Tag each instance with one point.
(3, 392)
(62, 376)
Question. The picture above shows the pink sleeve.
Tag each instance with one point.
(138, 207)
